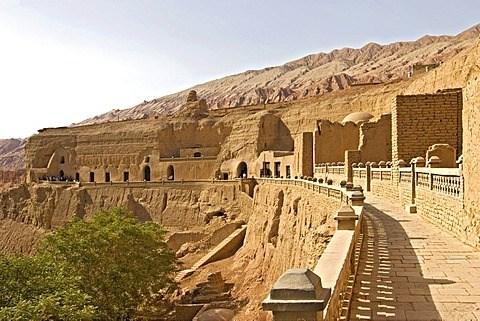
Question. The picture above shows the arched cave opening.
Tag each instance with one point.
(242, 170)
(170, 173)
(146, 174)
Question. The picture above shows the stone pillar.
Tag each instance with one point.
(412, 208)
(369, 177)
(351, 156)
(346, 218)
(298, 295)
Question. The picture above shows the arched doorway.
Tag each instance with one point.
(61, 174)
(242, 170)
(170, 173)
(146, 174)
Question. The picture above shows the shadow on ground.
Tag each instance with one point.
(390, 284)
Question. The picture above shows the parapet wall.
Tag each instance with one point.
(437, 195)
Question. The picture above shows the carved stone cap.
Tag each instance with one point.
(297, 284)
(357, 188)
(297, 290)
(357, 197)
(434, 160)
(346, 212)
(419, 161)
(401, 163)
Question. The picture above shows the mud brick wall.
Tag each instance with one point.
(444, 211)
(419, 121)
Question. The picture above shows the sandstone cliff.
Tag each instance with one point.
(288, 227)
(29, 211)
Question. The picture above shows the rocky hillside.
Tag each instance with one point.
(11, 154)
(313, 75)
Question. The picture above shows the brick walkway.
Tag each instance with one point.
(411, 270)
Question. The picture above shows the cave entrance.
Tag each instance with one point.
(146, 174)
(61, 174)
(242, 170)
(170, 173)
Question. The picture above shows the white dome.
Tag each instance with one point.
(358, 117)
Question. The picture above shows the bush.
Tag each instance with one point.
(315, 179)
(320, 180)
(343, 183)
(296, 177)
(329, 182)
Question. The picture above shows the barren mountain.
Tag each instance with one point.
(326, 86)
(12, 154)
(312, 75)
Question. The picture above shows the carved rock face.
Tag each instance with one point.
(192, 96)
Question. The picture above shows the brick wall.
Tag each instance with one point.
(376, 140)
(332, 139)
(444, 211)
(419, 121)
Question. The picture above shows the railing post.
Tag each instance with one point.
(369, 178)
(297, 295)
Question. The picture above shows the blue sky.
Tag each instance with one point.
(62, 61)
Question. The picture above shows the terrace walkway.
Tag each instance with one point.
(411, 270)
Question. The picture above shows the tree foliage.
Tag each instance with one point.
(109, 268)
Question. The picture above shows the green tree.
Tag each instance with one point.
(37, 289)
(124, 265)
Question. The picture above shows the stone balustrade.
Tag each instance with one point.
(325, 292)
(447, 181)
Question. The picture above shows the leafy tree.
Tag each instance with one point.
(121, 263)
(110, 268)
(37, 289)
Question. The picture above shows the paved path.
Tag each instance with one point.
(411, 270)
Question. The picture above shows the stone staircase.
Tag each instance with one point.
(223, 250)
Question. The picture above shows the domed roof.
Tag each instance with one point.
(358, 117)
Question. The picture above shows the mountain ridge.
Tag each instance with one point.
(312, 75)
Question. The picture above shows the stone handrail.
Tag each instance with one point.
(321, 188)
(360, 172)
(382, 174)
(329, 282)
(443, 180)
(330, 169)
(202, 158)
